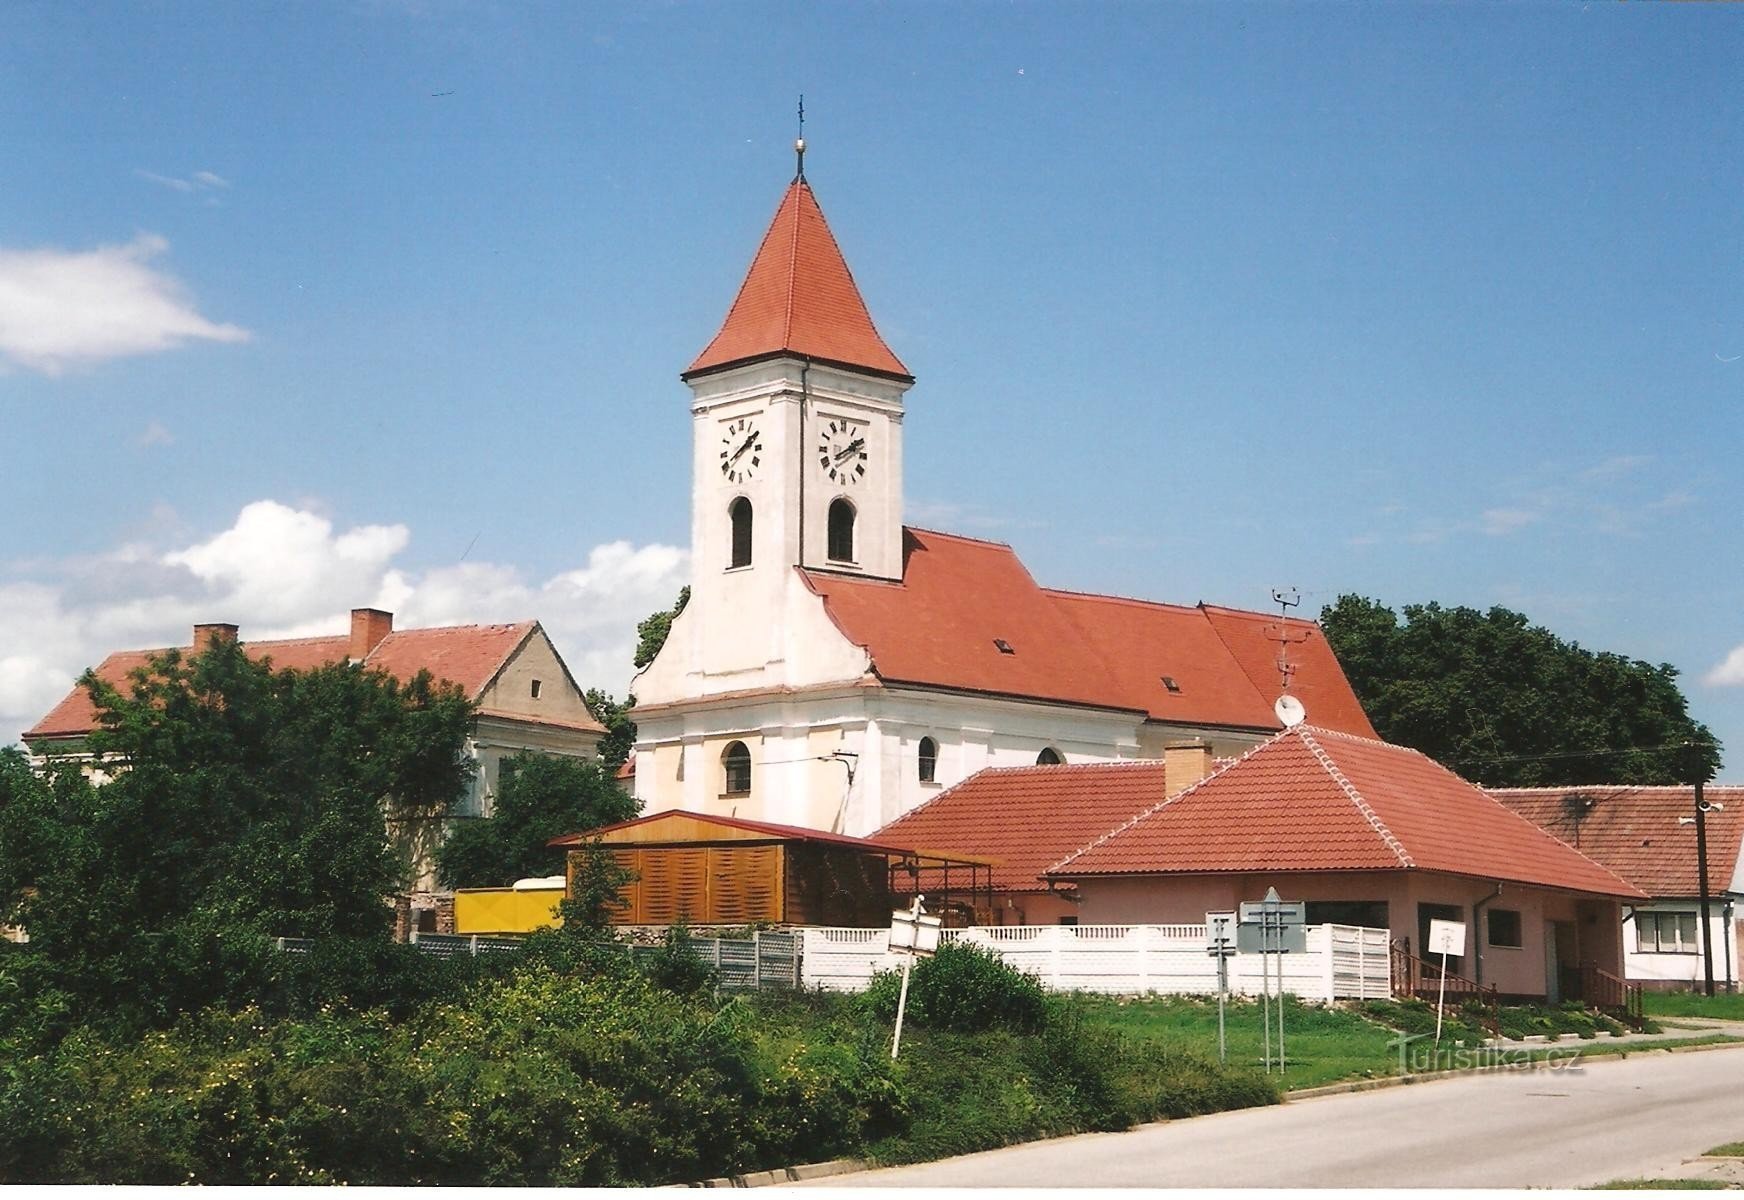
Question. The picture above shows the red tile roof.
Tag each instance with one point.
(1025, 818)
(1633, 830)
(799, 298)
(1318, 800)
(467, 655)
(784, 833)
(958, 597)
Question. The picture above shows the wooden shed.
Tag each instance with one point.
(716, 870)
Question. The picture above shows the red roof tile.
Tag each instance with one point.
(799, 297)
(467, 655)
(1634, 831)
(1025, 818)
(784, 833)
(1314, 799)
(958, 597)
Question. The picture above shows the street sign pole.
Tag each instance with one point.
(1266, 998)
(1441, 998)
(1222, 996)
(913, 933)
(1279, 932)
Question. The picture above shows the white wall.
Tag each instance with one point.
(1655, 967)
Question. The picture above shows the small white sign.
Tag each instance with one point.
(912, 935)
(1446, 937)
(1220, 930)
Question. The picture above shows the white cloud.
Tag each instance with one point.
(1498, 522)
(61, 308)
(280, 571)
(199, 181)
(1729, 672)
(155, 434)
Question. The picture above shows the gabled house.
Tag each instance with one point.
(1640, 833)
(527, 700)
(1369, 834)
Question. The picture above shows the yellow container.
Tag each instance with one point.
(506, 910)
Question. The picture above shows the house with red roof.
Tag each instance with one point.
(1647, 835)
(836, 668)
(527, 700)
(1366, 833)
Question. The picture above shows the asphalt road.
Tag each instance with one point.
(1611, 1119)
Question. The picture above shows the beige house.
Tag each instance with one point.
(527, 700)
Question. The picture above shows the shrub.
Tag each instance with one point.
(964, 988)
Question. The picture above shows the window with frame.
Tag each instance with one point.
(1369, 914)
(739, 512)
(929, 760)
(1666, 933)
(1504, 928)
(841, 548)
(736, 769)
(1049, 757)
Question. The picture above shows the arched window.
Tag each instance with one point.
(736, 763)
(841, 531)
(740, 512)
(929, 759)
(1049, 757)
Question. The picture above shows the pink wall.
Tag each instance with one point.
(1594, 924)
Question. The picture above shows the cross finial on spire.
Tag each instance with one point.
(799, 142)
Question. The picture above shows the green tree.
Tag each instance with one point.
(245, 803)
(620, 738)
(651, 633)
(1507, 703)
(540, 797)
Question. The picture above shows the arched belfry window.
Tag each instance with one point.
(929, 760)
(736, 766)
(740, 512)
(1049, 757)
(841, 531)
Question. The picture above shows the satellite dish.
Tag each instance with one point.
(1290, 711)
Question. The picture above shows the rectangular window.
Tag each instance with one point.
(1504, 928)
(536, 688)
(1068, 920)
(1666, 933)
(1371, 914)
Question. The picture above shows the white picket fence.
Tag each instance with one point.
(1341, 961)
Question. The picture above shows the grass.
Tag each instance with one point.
(1729, 1150)
(1662, 1185)
(1721, 1006)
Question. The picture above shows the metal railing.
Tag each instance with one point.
(1422, 979)
(1613, 996)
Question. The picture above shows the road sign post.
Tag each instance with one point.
(912, 934)
(1448, 937)
(1274, 927)
(1220, 936)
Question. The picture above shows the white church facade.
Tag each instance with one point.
(835, 669)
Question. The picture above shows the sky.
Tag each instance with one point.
(310, 306)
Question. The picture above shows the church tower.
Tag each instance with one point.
(797, 444)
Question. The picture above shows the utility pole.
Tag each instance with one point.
(1699, 771)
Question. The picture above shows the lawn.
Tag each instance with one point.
(1721, 1006)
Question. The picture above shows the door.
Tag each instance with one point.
(1552, 966)
(1562, 954)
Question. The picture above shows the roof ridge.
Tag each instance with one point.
(959, 537)
(1138, 600)
(1331, 768)
(1163, 803)
(1369, 741)
(792, 264)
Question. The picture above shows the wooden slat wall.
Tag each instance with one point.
(706, 885)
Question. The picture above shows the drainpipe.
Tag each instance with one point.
(804, 397)
(1478, 939)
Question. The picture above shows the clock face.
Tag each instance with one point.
(842, 451)
(741, 450)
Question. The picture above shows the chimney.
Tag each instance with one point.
(368, 627)
(203, 634)
(1185, 764)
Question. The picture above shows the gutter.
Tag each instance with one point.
(1478, 939)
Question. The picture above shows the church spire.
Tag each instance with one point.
(799, 298)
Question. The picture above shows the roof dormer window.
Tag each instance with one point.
(1003, 646)
(1174, 687)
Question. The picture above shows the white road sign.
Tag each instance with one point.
(1446, 937)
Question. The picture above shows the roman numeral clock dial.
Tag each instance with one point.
(741, 450)
(842, 451)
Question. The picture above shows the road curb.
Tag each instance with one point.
(799, 1174)
(1390, 1081)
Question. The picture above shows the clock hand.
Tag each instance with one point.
(739, 453)
(852, 446)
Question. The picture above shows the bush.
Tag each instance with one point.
(964, 988)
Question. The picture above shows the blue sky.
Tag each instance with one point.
(305, 306)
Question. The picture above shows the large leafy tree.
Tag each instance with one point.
(243, 803)
(1508, 703)
(651, 633)
(540, 797)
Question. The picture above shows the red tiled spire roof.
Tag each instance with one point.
(799, 298)
(1633, 829)
(1317, 800)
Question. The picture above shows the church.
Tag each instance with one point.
(834, 668)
